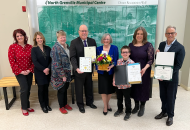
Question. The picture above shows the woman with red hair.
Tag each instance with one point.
(19, 55)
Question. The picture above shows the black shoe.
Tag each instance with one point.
(109, 109)
(136, 108)
(141, 111)
(117, 113)
(81, 109)
(49, 108)
(161, 115)
(92, 106)
(169, 121)
(127, 116)
(105, 113)
(44, 109)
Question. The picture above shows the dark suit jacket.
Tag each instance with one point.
(40, 63)
(178, 59)
(77, 50)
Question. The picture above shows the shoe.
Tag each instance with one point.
(45, 110)
(25, 114)
(109, 109)
(92, 106)
(105, 113)
(62, 110)
(141, 111)
(136, 108)
(31, 110)
(127, 116)
(81, 109)
(161, 115)
(68, 107)
(169, 121)
(49, 108)
(117, 113)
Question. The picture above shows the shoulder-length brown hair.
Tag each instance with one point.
(21, 32)
(34, 39)
(144, 35)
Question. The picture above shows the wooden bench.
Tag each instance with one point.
(12, 82)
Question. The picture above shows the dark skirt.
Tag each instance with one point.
(105, 85)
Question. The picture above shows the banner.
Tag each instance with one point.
(120, 18)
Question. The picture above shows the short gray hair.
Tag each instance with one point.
(170, 27)
(103, 37)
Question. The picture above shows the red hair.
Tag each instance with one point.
(21, 32)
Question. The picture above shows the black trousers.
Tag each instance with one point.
(43, 95)
(25, 82)
(168, 91)
(62, 95)
(126, 94)
(87, 83)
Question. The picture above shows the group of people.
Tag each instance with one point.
(59, 65)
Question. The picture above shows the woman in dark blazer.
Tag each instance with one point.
(42, 65)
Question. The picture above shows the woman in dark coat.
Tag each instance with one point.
(42, 65)
(141, 51)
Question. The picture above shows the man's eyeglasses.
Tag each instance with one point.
(83, 31)
(172, 33)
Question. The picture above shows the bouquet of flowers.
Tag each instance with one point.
(103, 61)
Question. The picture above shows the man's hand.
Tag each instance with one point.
(160, 79)
(64, 79)
(78, 71)
(157, 51)
(46, 71)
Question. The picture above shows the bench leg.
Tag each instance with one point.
(73, 92)
(7, 104)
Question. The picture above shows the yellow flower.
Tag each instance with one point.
(101, 54)
(109, 58)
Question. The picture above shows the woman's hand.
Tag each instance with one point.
(27, 72)
(46, 71)
(157, 51)
(113, 83)
(23, 73)
(109, 67)
(64, 79)
(143, 71)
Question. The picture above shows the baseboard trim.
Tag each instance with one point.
(185, 87)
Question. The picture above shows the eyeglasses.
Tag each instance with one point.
(106, 39)
(125, 52)
(172, 33)
(83, 31)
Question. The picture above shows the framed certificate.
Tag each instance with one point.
(128, 74)
(134, 73)
(90, 52)
(85, 64)
(164, 65)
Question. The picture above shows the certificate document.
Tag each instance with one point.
(134, 75)
(85, 64)
(163, 72)
(90, 52)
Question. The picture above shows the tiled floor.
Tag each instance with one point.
(94, 119)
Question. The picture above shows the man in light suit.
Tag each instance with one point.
(82, 79)
(168, 89)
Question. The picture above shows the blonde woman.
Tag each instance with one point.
(42, 65)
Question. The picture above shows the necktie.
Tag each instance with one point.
(85, 43)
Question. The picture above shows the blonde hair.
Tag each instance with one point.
(34, 39)
(60, 33)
